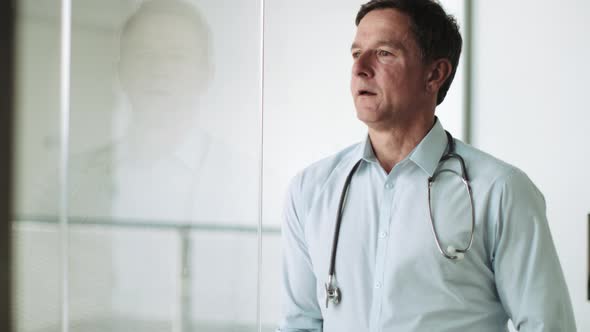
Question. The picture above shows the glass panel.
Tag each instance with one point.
(37, 270)
(165, 150)
(309, 113)
(164, 166)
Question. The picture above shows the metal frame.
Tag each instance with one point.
(261, 171)
(201, 225)
(7, 90)
(468, 71)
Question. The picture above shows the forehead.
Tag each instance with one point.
(160, 29)
(385, 24)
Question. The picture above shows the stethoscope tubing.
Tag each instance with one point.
(435, 233)
(332, 292)
(343, 196)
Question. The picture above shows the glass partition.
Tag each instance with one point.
(165, 155)
(163, 166)
(37, 263)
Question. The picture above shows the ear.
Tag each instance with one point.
(439, 72)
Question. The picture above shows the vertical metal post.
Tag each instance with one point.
(185, 292)
(7, 23)
(64, 101)
(468, 72)
(261, 169)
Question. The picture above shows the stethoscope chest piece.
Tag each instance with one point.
(332, 292)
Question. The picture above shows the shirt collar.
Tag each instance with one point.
(367, 153)
(426, 154)
(193, 150)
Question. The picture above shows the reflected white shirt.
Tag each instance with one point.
(388, 267)
(135, 272)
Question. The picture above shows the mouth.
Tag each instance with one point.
(365, 93)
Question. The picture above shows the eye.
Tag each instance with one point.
(383, 53)
(356, 54)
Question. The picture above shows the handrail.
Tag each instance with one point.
(190, 225)
(182, 227)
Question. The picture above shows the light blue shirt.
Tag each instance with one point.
(389, 270)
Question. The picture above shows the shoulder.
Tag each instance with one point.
(323, 169)
(481, 164)
(492, 174)
(91, 162)
(313, 179)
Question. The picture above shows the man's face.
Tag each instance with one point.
(388, 82)
(162, 71)
(161, 61)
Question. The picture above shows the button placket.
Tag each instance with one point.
(384, 219)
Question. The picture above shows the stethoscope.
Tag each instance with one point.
(333, 293)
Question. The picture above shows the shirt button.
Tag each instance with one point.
(382, 234)
(378, 285)
(388, 185)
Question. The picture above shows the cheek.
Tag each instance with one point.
(400, 81)
(391, 84)
(393, 74)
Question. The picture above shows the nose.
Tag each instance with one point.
(362, 65)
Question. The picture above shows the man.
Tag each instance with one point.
(389, 270)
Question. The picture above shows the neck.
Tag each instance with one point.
(391, 145)
(143, 146)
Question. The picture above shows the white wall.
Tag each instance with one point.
(531, 109)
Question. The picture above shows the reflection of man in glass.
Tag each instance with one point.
(166, 170)
(163, 170)
(149, 174)
(164, 66)
(163, 69)
(150, 171)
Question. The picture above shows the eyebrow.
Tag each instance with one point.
(391, 43)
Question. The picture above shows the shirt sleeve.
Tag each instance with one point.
(301, 311)
(528, 274)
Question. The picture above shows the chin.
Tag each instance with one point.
(367, 114)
